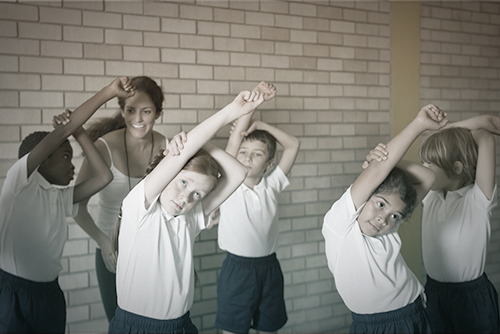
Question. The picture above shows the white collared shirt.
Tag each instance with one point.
(370, 274)
(155, 271)
(33, 227)
(248, 223)
(456, 233)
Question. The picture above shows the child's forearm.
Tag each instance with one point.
(485, 122)
(85, 221)
(421, 177)
(290, 145)
(232, 173)
(101, 174)
(235, 138)
(283, 138)
(81, 114)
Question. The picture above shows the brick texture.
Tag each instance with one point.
(330, 61)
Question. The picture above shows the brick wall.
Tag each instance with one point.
(460, 72)
(330, 61)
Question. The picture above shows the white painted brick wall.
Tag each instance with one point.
(331, 64)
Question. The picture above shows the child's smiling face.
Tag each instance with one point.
(185, 191)
(381, 213)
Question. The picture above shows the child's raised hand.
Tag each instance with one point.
(267, 89)
(176, 145)
(432, 117)
(122, 87)
(61, 119)
(379, 153)
(247, 101)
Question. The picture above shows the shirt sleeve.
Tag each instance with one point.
(277, 180)
(342, 215)
(482, 201)
(17, 176)
(133, 208)
(67, 196)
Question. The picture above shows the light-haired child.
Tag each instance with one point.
(160, 219)
(33, 215)
(362, 242)
(250, 286)
(456, 226)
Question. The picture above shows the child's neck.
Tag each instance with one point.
(454, 185)
(251, 182)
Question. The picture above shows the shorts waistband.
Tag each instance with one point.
(22, 283)
(475, 283)
(151, 324)
(390, 316)
(252, 260)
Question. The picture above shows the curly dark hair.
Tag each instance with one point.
(30, 141)
(398, 180)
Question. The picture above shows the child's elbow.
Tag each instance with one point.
(106, 178)
(296, 143)
(241, 172)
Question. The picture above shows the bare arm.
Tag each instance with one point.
(232, 172)
(290, 143)
(422, 178)
(429, 117)
(170, 166)
(486, 161)
(483, 128)
(236, 137)
(489, 123)
(100, 172)
(119, 87)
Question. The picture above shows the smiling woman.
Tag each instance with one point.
(127, 143)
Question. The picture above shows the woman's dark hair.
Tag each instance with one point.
(397, 180)
(142, 84)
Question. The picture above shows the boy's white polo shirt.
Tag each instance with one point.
(248, 224)
(155, 271)
(370, 274)
(33, 227)
(456, 233)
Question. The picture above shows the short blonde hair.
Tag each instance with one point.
(448, 146)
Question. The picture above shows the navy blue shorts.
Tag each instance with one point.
(408, 319)
(31, 307)
(468, 307)
(127, 322)
(250, 294)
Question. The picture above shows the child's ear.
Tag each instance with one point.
(269, 165)
(158, 114)
(458, 167)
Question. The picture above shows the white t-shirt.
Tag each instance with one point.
(370, 274)
(456, 233)
(33, 227)
(248, 224)
(155, 271)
